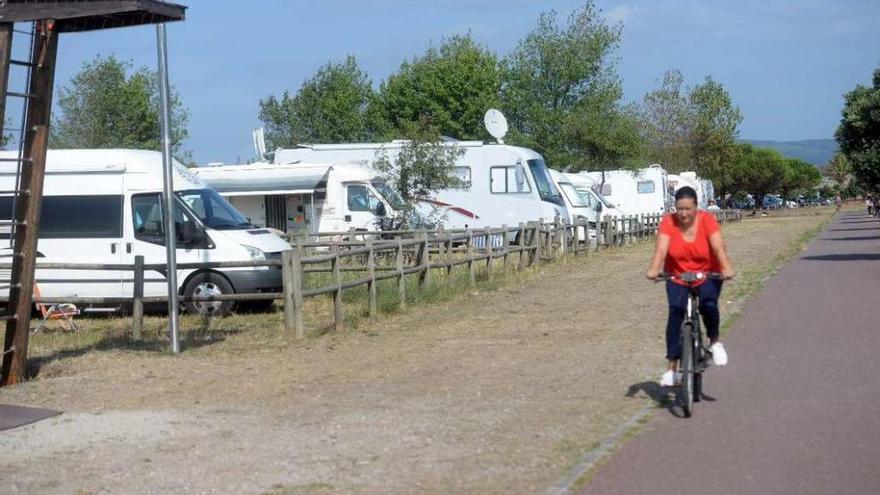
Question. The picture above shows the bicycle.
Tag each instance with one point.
(695, 353)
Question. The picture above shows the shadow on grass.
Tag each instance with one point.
(116, 341)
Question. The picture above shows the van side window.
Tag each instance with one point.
(358, 199)
(146, 213)
(81, 217)
(508, 180)
(463, 174)
(645, 187)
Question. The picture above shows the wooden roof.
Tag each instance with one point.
(89, 15)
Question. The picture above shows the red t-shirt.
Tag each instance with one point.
(694, 256)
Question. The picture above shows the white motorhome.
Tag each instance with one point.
(301, 197)
(704, 187)
(580, 198)
(501, 184)
(634, 192)
(105, 206)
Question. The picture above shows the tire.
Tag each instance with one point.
(687, 369)
(698, 387)
(208, 283)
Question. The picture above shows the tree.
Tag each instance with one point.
(106, 105)
(452, 86)
(422, 166)
(839, 170)
(714, 120)
(760, 171)
(859, 132)
(666, 121)
(798, 176)
(332, 106)
(555, 71)
(604, 139)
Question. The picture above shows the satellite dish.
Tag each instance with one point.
(260, 142)
(496, 124)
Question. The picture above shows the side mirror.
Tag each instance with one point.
(598, 207)
(380, 210)
(188, 233)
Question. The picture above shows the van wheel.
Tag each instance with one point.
(208, 284)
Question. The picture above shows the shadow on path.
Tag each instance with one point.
(859, 238)
(844, 257)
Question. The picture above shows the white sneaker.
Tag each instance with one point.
(719, 355)
(668, 379)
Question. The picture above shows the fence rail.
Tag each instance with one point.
(389, 256)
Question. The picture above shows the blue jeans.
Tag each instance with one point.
(677, 295)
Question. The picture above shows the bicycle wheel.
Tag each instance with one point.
(698, 362)
(687, 369)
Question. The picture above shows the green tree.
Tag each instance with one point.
(839, 170)
(758, 171)
(666, 120)
(798, 176)
(859, 132)
(452, 85)
(556, 71)
(604, 139)
(106, 105)
(713, 128)
(332, 106)
(422, 166)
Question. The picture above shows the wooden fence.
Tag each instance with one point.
(379, 256)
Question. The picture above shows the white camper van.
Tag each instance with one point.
(634, 192)
(105, 206)
(704, 187)
(501, 184)
(301, 197)
(580, 198)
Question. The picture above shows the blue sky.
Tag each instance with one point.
(785, 63)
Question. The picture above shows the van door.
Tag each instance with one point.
(361, 205)
(83, 230)
(147, 238)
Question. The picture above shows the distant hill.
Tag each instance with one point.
(816, 151)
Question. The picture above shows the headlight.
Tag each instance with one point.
(256, 254)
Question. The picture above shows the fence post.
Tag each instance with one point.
(505, 251)
(470, 253)
(535, 251)
(424, 261)
(338, 316)
(287, 287)
(448, 258)
(521, 242)
(401, 280)
(540, 233)
(490, 252)
(137, 303)
(371, 272)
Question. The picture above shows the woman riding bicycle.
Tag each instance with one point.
(690, 241)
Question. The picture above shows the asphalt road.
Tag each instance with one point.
(797, 410)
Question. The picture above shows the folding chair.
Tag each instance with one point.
(56, 312)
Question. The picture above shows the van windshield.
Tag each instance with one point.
(389, 194)
(544, 182)
(576, 199)
(213, 210)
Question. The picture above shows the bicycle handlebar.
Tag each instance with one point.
(691, 276)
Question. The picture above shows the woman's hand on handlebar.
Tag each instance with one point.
(652, 274)
(728, 274)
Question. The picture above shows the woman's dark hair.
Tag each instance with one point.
(686, 192)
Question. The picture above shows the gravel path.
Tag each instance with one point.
(796, 411)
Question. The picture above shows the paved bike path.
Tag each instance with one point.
(797, 411)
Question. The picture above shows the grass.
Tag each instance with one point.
(252, 331)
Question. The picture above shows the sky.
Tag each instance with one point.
(785, 63)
